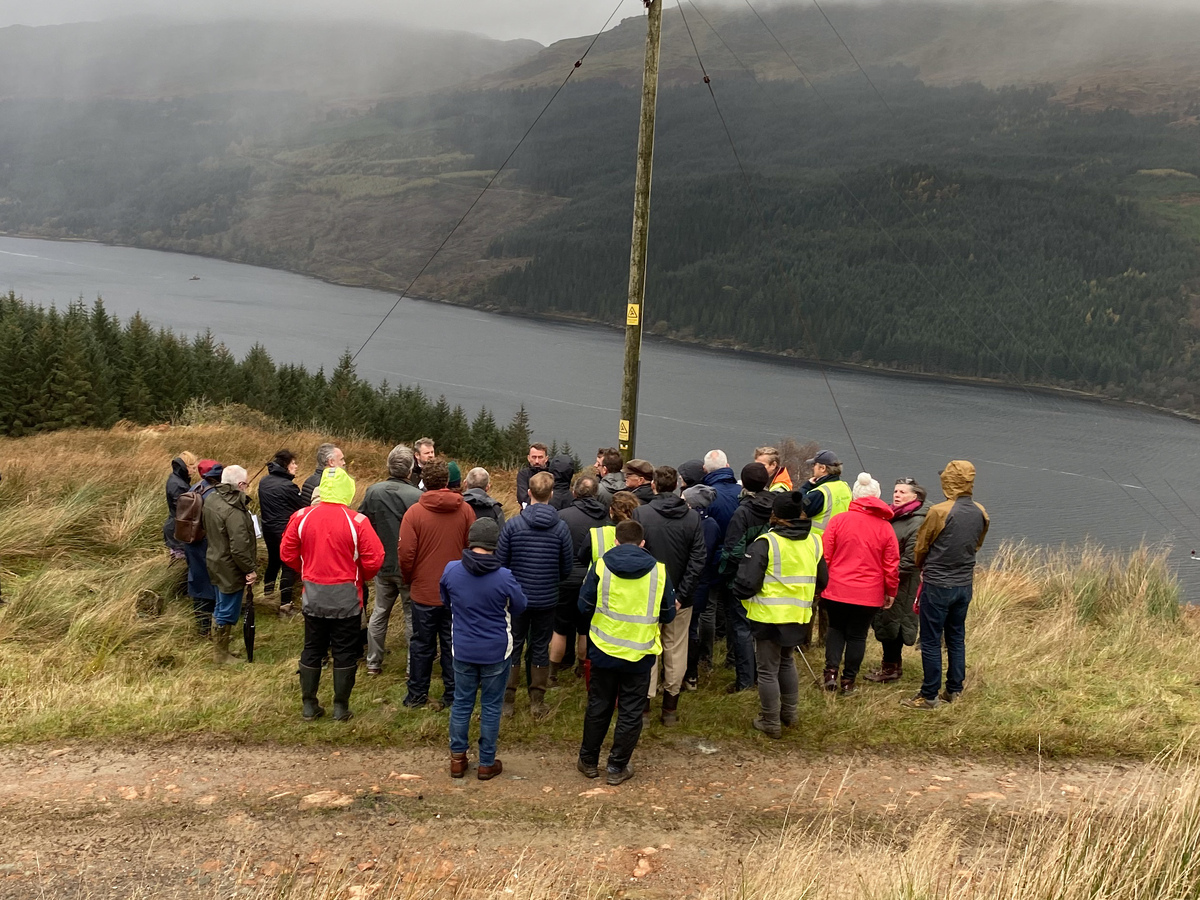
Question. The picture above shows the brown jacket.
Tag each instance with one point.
(953, 531)
(432, 533)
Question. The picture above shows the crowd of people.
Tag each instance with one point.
(625, 572)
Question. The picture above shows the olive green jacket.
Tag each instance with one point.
(232, 547)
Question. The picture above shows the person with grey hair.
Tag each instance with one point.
(384, 505)
(864, 572)
(328, 456)
(232, 554)
(476, 494)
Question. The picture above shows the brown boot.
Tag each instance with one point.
(458, 765)
(670, 716)
(885, 673)
(829, 679)
(848, 687)
(487, 773)
(539, 677)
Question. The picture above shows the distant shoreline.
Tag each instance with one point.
(706, 346)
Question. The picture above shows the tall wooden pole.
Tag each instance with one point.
(634, 314)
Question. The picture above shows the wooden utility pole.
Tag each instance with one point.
(634, 314)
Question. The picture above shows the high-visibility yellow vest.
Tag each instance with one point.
(837, 500)
(786, 595)
(604, 539)
(625, 624)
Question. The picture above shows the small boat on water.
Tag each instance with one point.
(194, 278)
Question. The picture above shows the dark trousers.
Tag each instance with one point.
(739, 641)
(276, 568)
(943, 612)
(532, 630)
(431, 627)
(848, 627)
(627, 691)
(893, 651)
(338, 636)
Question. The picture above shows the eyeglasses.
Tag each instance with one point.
(906, 481)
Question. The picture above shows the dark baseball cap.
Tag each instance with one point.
(826, 458)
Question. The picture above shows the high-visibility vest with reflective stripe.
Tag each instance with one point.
(837, 500)
(625, 624)
(786, 595)
(604, 539)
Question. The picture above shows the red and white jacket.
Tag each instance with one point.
(334, 549)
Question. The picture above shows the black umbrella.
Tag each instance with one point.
(248, 624)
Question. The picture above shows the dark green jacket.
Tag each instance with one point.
(384, 505)
(232, 547)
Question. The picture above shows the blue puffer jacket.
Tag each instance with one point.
(536, 546)
(728, 497)
(483, 598)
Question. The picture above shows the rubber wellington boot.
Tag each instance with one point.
(310, 680)
(343, 684)
(555, 668)
(510, 693)
(221, 654)
(670, 716)
(539, 677)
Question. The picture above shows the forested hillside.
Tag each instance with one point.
(1036, 233)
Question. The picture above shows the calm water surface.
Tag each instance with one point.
(1052, 470)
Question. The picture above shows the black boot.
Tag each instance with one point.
(343, 684)
(670, 706)
(310, 680)
(691, 674)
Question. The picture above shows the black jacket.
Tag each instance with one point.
(624, 561)
(753, 571)
(675, 537)
(750, 519)
(644, 494)
(311, 483)
(523, 477)
(581, 517)
(384, 505)
(278, 498)
(485, 505)
(177, 483)
(563, 469)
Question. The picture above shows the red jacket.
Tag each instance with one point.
(432, 534)
(862, 554)
(334, 549)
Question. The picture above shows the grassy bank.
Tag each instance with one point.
(1073, 652)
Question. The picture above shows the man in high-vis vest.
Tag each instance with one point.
(777, 582)
(625, 597)
(825, 495)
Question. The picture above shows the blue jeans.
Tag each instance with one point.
(739, 641)
(490, 682)
(431, 627)
(229, 607)
(944, 611)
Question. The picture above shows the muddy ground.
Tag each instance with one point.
(187, 820)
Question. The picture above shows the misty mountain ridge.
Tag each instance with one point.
(138, 59)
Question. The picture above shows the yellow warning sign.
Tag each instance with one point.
(633, 314)
(623, 431)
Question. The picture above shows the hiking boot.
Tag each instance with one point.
(789, 709)
(435, 705)
(829, 680)
(458, 765)
(770, 729)
(848, 687)
(221, 654)
(919, 702)
(619, 776)
(591, 770)
(487, 773)
(343, 684)
(539, 677)
(691, 684)
(374, 670)
(885, 673)
(949, 696)
(287, 611)
(310, 680)
(670, 705)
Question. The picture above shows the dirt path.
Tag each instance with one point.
(188, 820)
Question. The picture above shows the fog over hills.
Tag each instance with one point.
(324, 60)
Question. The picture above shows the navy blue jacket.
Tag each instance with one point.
(536, 546)
(624, 561)
(729, 494)
(482, 597)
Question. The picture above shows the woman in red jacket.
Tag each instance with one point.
(864, 571)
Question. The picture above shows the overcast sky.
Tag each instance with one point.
(542, 20)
